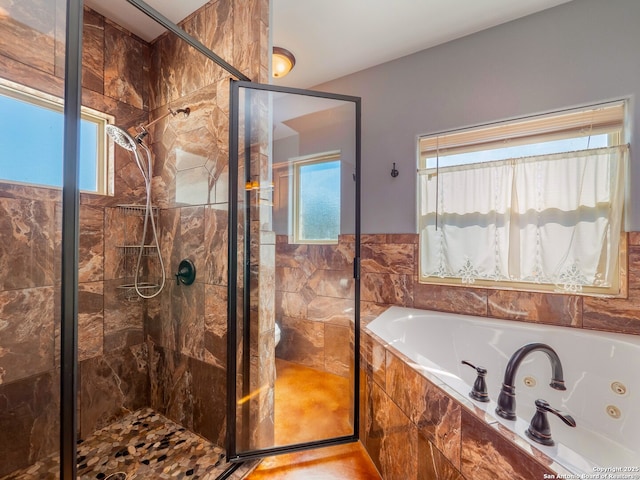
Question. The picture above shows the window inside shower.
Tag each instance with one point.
(31, 138)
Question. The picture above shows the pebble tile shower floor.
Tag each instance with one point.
(143, 445)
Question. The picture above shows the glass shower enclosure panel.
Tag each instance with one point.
(35, 292)
(294, 281)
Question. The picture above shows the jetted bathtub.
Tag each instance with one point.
(601, 373)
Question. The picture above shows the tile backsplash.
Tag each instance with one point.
(390, 277)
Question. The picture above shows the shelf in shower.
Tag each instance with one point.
(128, 290)
(136, 210)
(130, 250)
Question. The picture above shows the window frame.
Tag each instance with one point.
(616, 132)
(40, 99)
(296, 165)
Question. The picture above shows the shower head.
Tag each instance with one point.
(121, 137)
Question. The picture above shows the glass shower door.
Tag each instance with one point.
(293, 270)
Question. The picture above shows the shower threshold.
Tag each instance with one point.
(142, 445)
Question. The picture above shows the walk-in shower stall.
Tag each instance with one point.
(179, 245)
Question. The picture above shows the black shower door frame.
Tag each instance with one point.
(233, 455)
(70, 237)
(68, 434)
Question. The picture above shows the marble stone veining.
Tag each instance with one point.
(30, 410)
(188, 391)
(314, 303)
(133, 88)
(535, 308)
(215, 325)
(91, 254)
(434, 413)
(26, 332)
(34, 20)
(27, 243)
(93, 51)
(486, 455)
(111, 386)
(90, 321)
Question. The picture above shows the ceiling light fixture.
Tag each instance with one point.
(282, 62)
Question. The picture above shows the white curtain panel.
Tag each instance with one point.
(551, 219)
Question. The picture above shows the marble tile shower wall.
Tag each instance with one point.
(114, 373)
(186, 325)
(314, 303)
(410, 427)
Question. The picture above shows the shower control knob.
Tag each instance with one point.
(186, 272)
(479, 389)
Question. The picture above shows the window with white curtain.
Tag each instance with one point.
(533, 204)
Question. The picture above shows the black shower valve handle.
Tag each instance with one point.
(186, 272)
(479, 389)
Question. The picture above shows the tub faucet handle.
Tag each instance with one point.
(479, 390)
(539, 429)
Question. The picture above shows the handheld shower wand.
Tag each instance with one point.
(135, 145)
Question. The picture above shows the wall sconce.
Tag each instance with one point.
(282, 62)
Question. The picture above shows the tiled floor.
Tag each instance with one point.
(313, 405)
(143, 445)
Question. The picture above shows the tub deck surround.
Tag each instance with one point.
(404, 450)
(425, 349)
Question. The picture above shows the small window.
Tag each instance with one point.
(316, 189)
(532, 204)
(31, 141)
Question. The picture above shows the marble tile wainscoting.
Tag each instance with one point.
(314, 303)
(390, 277)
